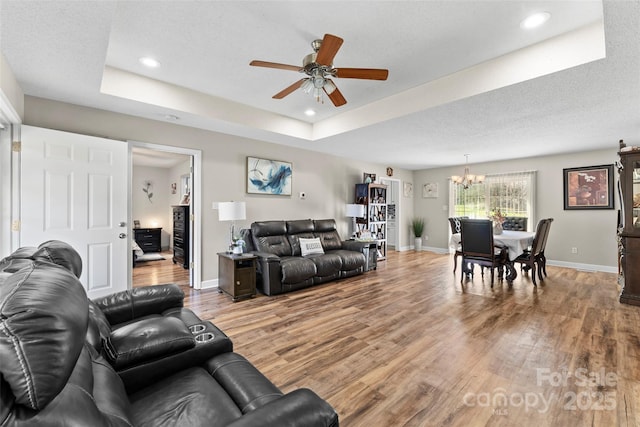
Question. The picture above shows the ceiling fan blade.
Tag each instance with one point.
(336, 97)
(328, 49)
(266, 64)
(362, 73)
(289, 89)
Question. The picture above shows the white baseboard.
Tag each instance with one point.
(208, 284)
(583, 267)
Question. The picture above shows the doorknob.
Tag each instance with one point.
(122, 235)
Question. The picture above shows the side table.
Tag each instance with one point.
(371, 254)
(237, 275)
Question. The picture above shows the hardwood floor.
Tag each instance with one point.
(407, 345)
(157, 272)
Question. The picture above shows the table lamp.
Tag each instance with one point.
(232, 211)
(355, 211)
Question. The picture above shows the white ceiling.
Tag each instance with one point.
(463, 76)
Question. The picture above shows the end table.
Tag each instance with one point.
(237, 275)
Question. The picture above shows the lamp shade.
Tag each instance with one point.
(232, 211)
(355, 211)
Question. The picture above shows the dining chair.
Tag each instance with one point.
(476, 237)
(515, 223)
(532, 259)
(542, 259)
(454, 223)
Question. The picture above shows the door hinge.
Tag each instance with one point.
(15, 225)
(16, 146)
(192, 217)
(191, 265)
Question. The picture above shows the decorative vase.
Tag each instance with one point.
(497, 228)
(418, 243)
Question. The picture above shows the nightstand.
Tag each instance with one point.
(148, 239)
(237, 275)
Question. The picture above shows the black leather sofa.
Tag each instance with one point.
(282, 268)
(52, 375)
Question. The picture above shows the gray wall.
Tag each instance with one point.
(154, 212)
(328, 181)
(593, 232)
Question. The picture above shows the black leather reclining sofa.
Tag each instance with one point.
(53, 372)
(281, 266)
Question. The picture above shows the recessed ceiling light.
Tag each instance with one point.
(310, 112)
(149, 62)
(535, 20)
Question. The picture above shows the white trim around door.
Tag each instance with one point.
(196, 204)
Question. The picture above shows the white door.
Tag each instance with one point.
(74, 189)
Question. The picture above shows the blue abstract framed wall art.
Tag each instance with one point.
(268, 177)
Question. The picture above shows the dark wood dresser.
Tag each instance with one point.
(148, 239)
(181, 237)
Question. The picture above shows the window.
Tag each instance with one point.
(513, 193)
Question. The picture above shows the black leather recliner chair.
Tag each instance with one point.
(51, 375)
(147, 330)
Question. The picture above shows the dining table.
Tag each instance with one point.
(516, 243)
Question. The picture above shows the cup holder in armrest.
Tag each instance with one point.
(196, 329)
(207, 336)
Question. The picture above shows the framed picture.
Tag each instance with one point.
(588, 187)
(407, 189)
(430, 190)
(268, 177)
(368, 178)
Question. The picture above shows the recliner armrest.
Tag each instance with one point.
(266, 256)
(146, 340)
(269, 280)
(300, 408)
(355, 245)
(131, 304)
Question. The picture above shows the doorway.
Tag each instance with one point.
(393, 212)
(162, 179)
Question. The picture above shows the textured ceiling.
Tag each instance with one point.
(463, 76)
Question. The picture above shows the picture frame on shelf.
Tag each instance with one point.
(368, 178)
(269, 177)
(589, 187)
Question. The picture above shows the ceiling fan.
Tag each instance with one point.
(318, 66)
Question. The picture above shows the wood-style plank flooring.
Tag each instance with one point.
(408, 345)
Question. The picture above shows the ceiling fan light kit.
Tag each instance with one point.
(318, 66)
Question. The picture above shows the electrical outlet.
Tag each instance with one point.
(574, 250)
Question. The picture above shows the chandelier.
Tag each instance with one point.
(467, 179)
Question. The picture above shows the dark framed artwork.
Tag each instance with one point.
(268, 177)
(589, 187)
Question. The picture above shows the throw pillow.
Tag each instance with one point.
(310, 246)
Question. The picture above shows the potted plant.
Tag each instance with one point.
(417, 226)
